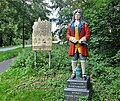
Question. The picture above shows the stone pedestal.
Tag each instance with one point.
(76, 88)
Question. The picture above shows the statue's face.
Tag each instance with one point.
(77, 16)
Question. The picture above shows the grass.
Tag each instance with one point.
(24, 82)
(20, 84)
(4, 55)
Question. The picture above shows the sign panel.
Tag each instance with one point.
(42, 36)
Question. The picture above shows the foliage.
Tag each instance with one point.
(17, 41)
(105, 78)
(17, 17)
(116, 59)
(104, 27)
(103, 17)
(25, 82)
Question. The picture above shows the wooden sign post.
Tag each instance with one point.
(42, 38)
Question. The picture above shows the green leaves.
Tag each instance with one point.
(17, 17)
(103, 18)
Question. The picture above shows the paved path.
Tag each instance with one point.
(9, 48)
(13, 47)
(5, 64)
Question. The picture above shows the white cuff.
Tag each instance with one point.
(83, 39)
(71, 38)
(82, 60)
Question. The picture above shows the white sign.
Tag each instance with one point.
(42, 36)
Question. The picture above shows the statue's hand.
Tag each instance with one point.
(82, 39)
(73, 39)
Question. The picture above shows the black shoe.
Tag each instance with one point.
(73, 76)
(84, 78)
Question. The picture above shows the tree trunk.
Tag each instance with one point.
(10, 40)
(1, 40)
(23, 35)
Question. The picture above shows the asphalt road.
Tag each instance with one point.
(5, 65)
(13, 47)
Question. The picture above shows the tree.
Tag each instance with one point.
(18, 16)
(3, 10)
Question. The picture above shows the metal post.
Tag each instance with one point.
(49, 59)
(35, 58)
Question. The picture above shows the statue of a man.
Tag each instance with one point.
(78, 33)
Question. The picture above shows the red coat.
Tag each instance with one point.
(85, 32)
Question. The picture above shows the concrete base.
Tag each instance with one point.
(76, 88)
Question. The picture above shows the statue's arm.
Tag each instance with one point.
(87, 32)
(68, 34)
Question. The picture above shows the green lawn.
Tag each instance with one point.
(24, 82)
(4, 55)
(20, 84)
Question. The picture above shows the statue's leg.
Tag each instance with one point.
(74, 64)
(83, 66)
